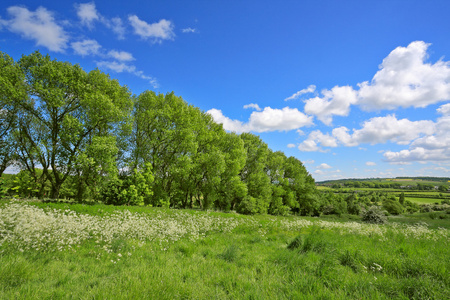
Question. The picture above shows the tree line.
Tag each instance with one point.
(81, 135)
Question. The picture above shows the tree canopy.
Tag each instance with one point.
(81, 135)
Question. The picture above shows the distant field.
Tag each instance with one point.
(423, 200)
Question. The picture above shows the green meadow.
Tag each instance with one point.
(67, 251)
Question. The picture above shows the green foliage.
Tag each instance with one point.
(132, 190)
(374, 215)
(248, 206)
(392, 206)
(74, 134)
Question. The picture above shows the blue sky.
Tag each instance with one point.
(354, 89)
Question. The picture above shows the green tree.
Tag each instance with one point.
(255, 176)
(164, 135)
(66, 110)
(308, 202)
(12, 89)
(402, 198)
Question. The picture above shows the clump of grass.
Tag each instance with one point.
(230, 254)
(313, 241)
(349, 259)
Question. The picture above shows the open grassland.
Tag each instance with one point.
(58, 251)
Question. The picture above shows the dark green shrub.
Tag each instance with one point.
(392, 206)
(248, 206)
(374, 215)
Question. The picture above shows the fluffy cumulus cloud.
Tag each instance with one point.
(121, 55)
(383, 129)
(228, 124)
(335, 102)
(323, 166)
(444, 109)
(86, 47)
(370, 163)
(269, 119)
(87, 13)
(309, 89)
(433, 147)
(162, 30)
(253, 106)
(39, 25)
(406, 80)
(374, 131)
(315, 139)
(272, 119)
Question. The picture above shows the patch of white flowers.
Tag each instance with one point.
(29, 227)
(419, 231)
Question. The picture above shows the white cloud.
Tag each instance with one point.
(116, 25)
(382, 129)
(120, 67)
(417, 154)
(86, 47)
(253, 105)
(115, 66)
(228, 124)
(323, 166)
(444, 109)
(405, 80)
(433, 147)
(309, 89)
(267, 120)
(336, 101)
(272, 119)
(188, 30)
(291, 145)
(309, 146)
(375, 131)
(121, 55)
(370, 163)
(163, 30)
(39, 26)
(87, 13)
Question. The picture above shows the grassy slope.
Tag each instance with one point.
(252, 261)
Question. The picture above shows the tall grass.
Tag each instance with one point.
(230, 256)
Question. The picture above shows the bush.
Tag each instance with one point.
(248, 206)
(374, 215)
(426, 208)
(392, 206)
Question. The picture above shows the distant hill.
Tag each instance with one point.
(397, 179)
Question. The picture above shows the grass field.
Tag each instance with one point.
(62, 251)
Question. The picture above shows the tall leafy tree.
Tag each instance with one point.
(302, 185)
(164, 136)
(12, 89)
(67, 112)
(255, 176)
